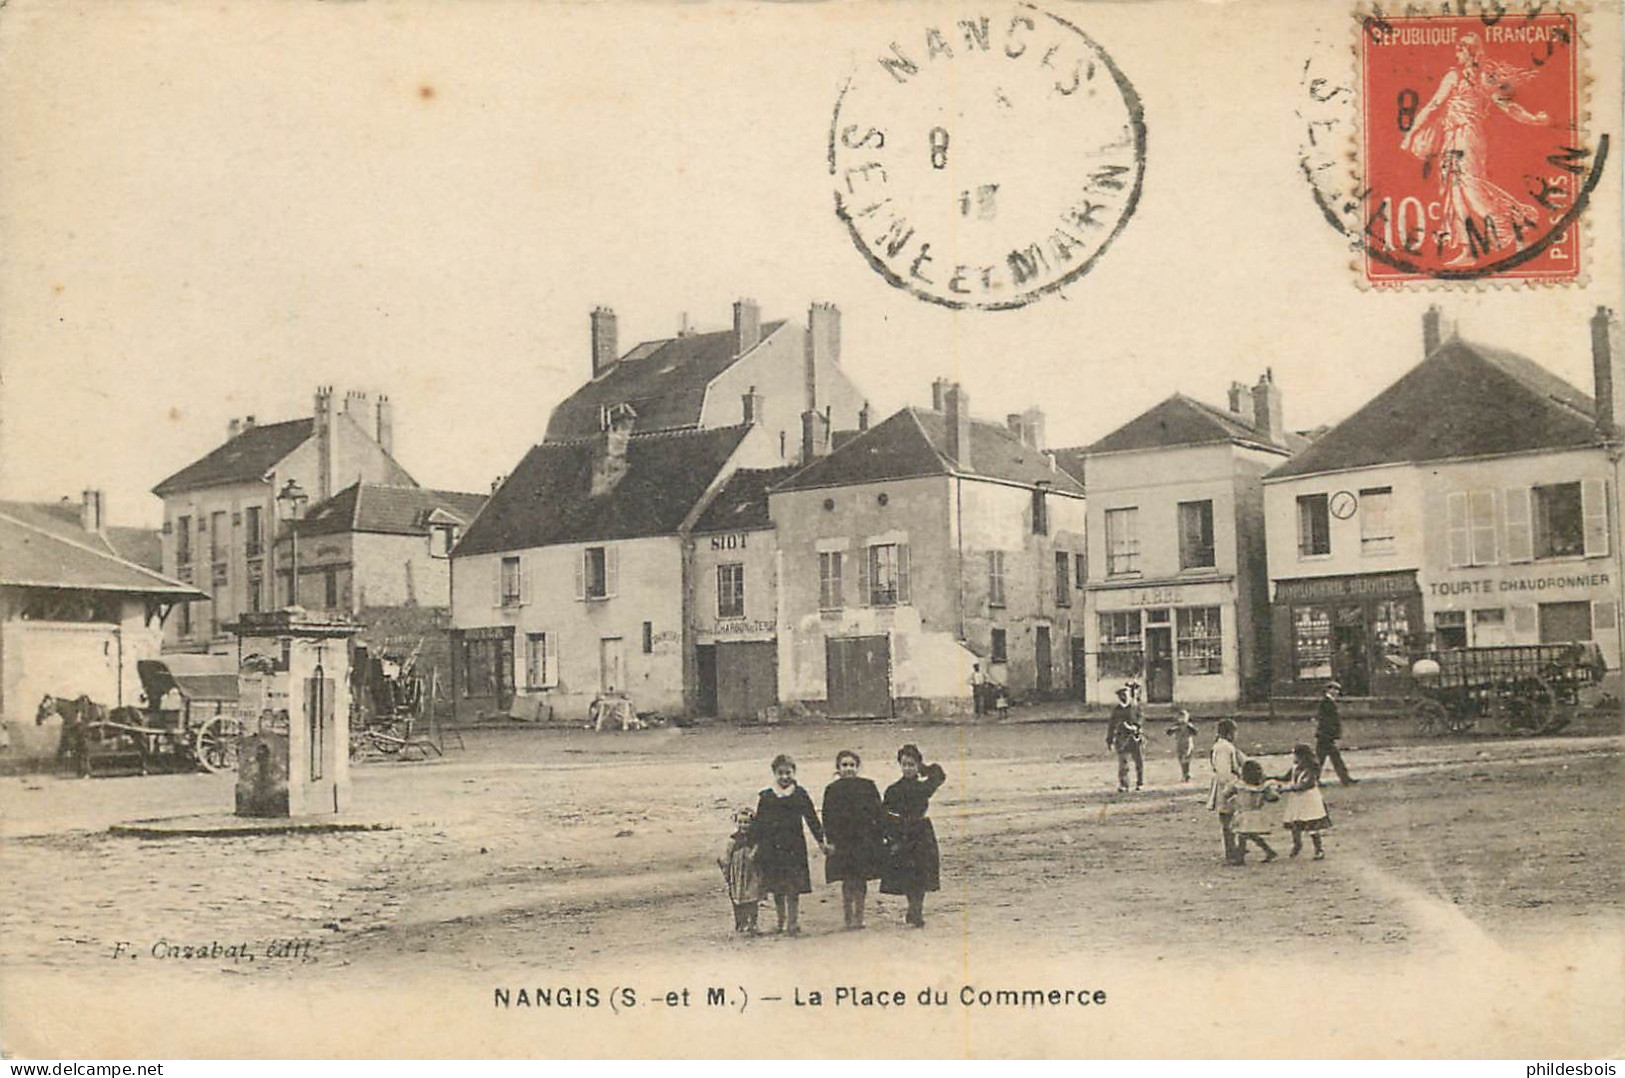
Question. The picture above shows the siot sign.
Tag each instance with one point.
(729, 542)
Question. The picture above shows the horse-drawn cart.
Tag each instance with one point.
(1524, 689)
(185, 736)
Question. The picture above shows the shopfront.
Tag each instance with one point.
(1178, 640)
(482, 670)
(1524, 604)
(1360, 629)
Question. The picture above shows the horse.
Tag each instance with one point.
(84, 721)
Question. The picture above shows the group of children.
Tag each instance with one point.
(863, 837)
(1251, 805)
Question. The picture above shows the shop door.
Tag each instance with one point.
(1561, 623)
(1080, 679)
(505, 691)
(858, 677)
(1351, 660)
(1159, 665)
(747, 679)
(609, 665)
(1041, 655)
(705, 673)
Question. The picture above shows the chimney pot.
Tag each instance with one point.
(1608, 371)
(752, 401)
(384, 432)
(1436, 329)
(609, 452)
(747, 326)
(1032, 427)
(939, 390)
(957, 409)
(248, 423)
(234, 427)
(1268, 422)
(92, 512)
(605, 348)
(863, 416)
(823, 347)
(323, 423)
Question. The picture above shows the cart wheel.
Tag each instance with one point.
(1431, 718)
(216, 744)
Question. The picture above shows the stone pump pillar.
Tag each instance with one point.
(293, 700)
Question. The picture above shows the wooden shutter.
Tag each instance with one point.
(1481, 511)
(496, 581)
(902, 574)
(1525, 624)
(1456, 521)
(524, 582)
(838, 591)
(1604, 616)
(863, 576)
(612, 571)
(1594, 508)
(581, 575)
(1520, 541)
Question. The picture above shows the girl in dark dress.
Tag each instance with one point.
(781, 848)
(912, 868)
(854, 820)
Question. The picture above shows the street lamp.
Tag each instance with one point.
(290, 500)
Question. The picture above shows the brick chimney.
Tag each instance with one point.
(814, 435)
(1241, 402)
(609, 451)
(1267, 421)
(92, 512)
(956, 408)
(1608, 371)
(385, 430)
(605, 348)
(356, 407)
(752, 402)
(323, 423)
(1017, 428)
(939, 390)
(248, 423)
(1032, 427)
(747, 326)
(234, 427)
(1436, 329)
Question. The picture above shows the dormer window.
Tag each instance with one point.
(442, 537)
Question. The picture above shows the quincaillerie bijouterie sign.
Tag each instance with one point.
(1363, 586)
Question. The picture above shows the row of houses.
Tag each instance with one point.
(696, 562)
(715, 523)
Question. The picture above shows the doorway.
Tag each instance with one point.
(1080, 679)
(1041, 655)
(609, 665)
(1351, 661)
(705, 676)
(1159, 664)
(858, 677)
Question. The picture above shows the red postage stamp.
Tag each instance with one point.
(1473, 160)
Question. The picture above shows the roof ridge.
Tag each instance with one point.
(90, 550)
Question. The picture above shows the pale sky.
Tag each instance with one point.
(208, 210)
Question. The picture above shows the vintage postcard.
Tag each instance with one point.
(922, 529)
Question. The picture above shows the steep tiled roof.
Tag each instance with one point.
(1180, 421)
(387, 510)
(664, 381)
(32, 556)
(548, 498)
(914, 441)
(1464, 400)
(143, 546)
(244, 458)
(742, 501)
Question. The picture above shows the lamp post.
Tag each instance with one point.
(290, 500)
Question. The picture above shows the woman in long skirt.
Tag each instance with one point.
(854, 822)
(781, 847)
(913, 863)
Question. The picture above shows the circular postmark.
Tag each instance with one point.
(981, 160)
(1465, 134)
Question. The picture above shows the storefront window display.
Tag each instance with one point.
(1200, 640)
(1121, 645)
(1312, 641)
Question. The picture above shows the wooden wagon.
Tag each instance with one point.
(1521, 688)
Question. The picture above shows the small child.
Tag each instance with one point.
(1302, 806)
(1184, 734)
(738, 864)
(1257, 806)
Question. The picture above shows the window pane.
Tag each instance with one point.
(1122, 541)
(1312, 641)
(883, 575)
(1314, 526)
(1200, 640)
(1196, 535)
(1559, 521)
(1376, 528)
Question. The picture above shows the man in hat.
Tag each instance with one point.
(1124, 736)
(1328, 728)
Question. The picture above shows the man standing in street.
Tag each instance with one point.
(978, 688)
(1328, 728)
(1124, 737)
